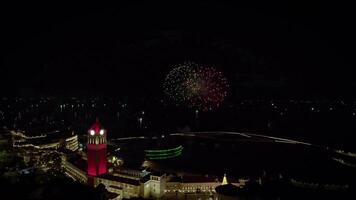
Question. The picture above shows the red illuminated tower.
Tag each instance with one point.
(96, 149)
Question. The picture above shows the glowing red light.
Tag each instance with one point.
(96, 152)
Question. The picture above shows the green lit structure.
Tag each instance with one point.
(162, 154)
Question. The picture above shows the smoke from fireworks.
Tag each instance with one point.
(202, 88)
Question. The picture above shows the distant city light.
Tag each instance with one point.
(101, 132)
(92, 132)
(140, 121)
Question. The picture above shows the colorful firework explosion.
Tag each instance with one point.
(202, 88)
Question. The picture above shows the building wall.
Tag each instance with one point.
(154, 187)
(74, 172)
(197, 186)
(173, 186)
(96, 159)
(127, 191)
(145, 190)
(192, 187)
(157, 185)
(72, 143)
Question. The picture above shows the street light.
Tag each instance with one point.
(140, 122)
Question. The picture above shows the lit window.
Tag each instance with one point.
(101, 132)
(92, 132)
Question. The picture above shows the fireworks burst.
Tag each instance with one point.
(202, 88)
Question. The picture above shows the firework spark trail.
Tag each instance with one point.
(202, 88)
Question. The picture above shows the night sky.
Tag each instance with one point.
(278, 50)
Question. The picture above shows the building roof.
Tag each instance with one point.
(145, 178)
(156, 173)
(116, 187)
(79, 162)
(46, 138)
(96, 127)
(199, 179)
(120, 179)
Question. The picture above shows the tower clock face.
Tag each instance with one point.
(101, 132)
